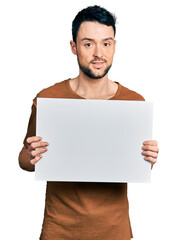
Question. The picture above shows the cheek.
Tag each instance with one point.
(84, 57)
(110, 56)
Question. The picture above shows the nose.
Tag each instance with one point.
(97, 51)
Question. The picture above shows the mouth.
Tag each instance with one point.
(98, 64)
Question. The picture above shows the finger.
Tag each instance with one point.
(150, 142)
(36, 159)
(35, 145)
(34, 153)
(29, 140)
(150, 148)
(151, 159)
(150, 154)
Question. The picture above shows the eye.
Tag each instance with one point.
(88, 44)
(106, 44)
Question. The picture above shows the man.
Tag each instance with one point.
(86, 211)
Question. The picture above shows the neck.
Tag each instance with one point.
(89, 88)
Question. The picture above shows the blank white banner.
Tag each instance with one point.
(93, 140)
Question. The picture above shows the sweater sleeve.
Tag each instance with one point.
(31, 129)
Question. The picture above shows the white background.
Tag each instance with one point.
(35, 53)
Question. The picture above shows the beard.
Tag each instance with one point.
(89, 73)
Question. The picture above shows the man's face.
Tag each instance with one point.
(95, 47)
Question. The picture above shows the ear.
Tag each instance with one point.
(115, 45)
(73, 47)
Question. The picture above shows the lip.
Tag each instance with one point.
(97, 64)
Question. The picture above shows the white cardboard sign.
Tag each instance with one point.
(93, 140)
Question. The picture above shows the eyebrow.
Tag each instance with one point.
(90, 39)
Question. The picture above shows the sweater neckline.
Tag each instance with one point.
(80, 97)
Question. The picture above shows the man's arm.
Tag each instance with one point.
(28, 157)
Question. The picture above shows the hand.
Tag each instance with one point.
(34, 153)
(150, 151)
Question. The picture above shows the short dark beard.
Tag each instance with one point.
(89, 72)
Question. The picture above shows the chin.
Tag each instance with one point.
(93, 73)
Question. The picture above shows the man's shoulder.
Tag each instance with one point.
(53, 90)
(57, 90)
(128, 94)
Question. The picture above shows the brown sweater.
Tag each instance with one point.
(84, 211)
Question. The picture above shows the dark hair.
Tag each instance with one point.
(93, 14)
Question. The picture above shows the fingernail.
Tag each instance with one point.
(38, 158)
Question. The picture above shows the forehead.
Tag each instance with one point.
(95, 30)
